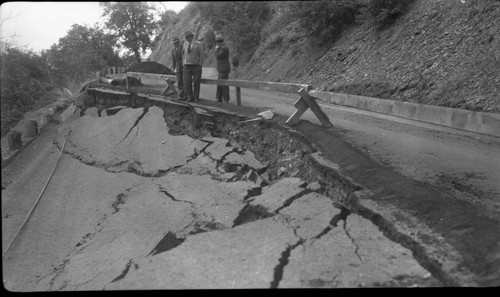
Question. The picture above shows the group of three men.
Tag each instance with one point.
(187, 60)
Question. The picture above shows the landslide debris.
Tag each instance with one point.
(150, 67)
(167, 217)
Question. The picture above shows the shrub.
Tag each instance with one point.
(21, 85)
(210, 40)
(275, 41)
(386, 12)
(240, 23)
(189, 10)
(325, 19)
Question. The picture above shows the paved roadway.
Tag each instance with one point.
(114, 217)
(462, 163)
(133, 207)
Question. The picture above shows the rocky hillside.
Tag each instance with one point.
(200, 29)
(440, 52)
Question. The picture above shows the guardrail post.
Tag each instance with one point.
(238, 89)
(238, 96)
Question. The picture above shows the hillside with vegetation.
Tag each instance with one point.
(443, 53)
(30, 81)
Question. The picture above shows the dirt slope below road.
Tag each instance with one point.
(210, 221)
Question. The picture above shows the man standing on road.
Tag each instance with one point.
(192, 55)
(223, 67)
(177, 67)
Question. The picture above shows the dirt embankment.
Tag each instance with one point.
(443, 53)
(290, 154)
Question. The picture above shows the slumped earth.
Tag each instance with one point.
(173, 196)
(202, 213)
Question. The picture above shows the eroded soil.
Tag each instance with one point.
(258, 205)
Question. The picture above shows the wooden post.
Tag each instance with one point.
(114, 70)
(14, 140)
(98, 75)
(110, 70)
(238, 96)
(238, 89)
(126, 82)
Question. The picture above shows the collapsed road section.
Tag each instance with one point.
(191, 199)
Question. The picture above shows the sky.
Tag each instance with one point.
(39, 25)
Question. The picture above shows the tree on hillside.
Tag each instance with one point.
(240, 22)
(167, 19)
(133, 24)
(82, 51)
(21, 84)
(8, 42)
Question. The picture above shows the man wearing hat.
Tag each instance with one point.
(177, 66)
(223, 67)
(192, 57)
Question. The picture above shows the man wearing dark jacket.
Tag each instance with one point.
(177, 66)
(223, 67)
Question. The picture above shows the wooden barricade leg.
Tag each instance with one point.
(313, 105)
(305, 101)
(301, 106)
(170, 85)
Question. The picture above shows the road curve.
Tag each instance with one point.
(131, 200)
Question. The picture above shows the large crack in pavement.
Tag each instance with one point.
(255, 206)
(135, 125)
(283, 261)
(164, 191)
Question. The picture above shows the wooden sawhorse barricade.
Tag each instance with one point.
(305, 101)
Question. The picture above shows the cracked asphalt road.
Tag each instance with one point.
(134, 207)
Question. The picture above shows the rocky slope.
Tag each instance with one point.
(443, 53)
(200, 29)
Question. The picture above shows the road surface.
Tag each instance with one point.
(131, 206)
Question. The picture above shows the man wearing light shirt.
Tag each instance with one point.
(192, 59)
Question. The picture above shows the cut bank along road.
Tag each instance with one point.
(134, 207)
